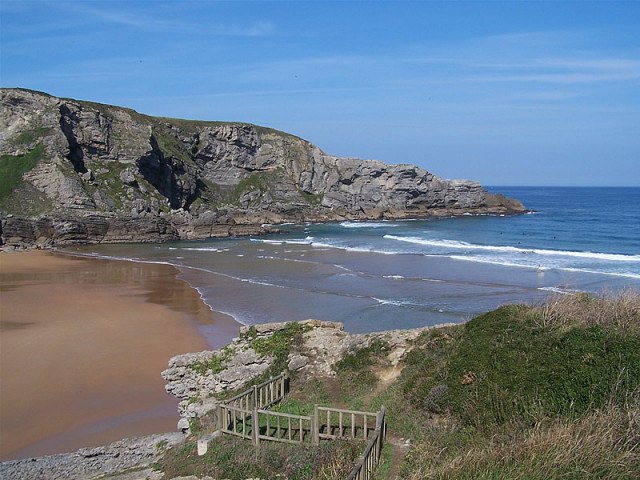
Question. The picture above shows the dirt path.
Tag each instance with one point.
(398, 446)
(385, 378)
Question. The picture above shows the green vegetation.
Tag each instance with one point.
(278, 345)
(171, 145)
(261, 182)
(524, 392)
(272, 131)
(27, 137)
(520, 392)
(192, 126)
(313, 199)
(12, 167)
(356, 373)
(215, 363)
(236, 459)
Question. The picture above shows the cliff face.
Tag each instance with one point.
(80, 172)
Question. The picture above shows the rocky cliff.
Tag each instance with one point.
(80, 172)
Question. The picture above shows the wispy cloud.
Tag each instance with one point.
(147, 21)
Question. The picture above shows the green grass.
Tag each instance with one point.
(508, 395)
(215, 364)
(262, 182)
(27, 137)
(505, 368)
(12, 167)
(277, 345)
(311, 198)
(236, 459)
(172, 146)
(362, 358)
(356, 376)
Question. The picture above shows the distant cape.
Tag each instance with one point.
(77, 172)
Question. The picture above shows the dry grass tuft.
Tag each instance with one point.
(604, 445)
(609, 309)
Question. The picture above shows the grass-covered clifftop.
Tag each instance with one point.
(523, 392)
(529, 393)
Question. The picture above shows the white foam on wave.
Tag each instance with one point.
(395, 303)
(362, 249)
(502, 263)
(615, 257)
(270, 242)
(305, 241)
(563, 291)
(366, 224)
(205, 249)
(544, 268)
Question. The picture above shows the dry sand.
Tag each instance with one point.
(82, 345)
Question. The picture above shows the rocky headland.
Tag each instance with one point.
(77, 172)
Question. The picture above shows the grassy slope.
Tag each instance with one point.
(520, 392)
(516, 394)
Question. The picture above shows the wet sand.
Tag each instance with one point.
(82, 344)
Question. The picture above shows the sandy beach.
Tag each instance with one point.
(82, 344)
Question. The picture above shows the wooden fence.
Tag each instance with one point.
(369, 460)
(245, 416)
(263, 395)
(235, 415)
(340, 423)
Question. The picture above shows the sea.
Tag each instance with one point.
(384, 275)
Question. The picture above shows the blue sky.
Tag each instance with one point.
(505, 93)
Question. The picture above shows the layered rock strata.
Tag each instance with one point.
(81, 172)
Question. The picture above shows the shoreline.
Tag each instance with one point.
(83, 343)
(204, 323)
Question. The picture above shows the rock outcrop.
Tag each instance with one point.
(320, 346)
(123, 460)
(81, 172)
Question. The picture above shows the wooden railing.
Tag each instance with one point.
(369, 460)
(263, 395)
(344, 423)
(245, 416)
(235, 415)
(284, 427)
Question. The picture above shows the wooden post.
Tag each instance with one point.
(285, 385)
(255, 397)
(363, 466)
(353, 426)
(255, 428)
(219, 415)
(315, 426)
(270, 390)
